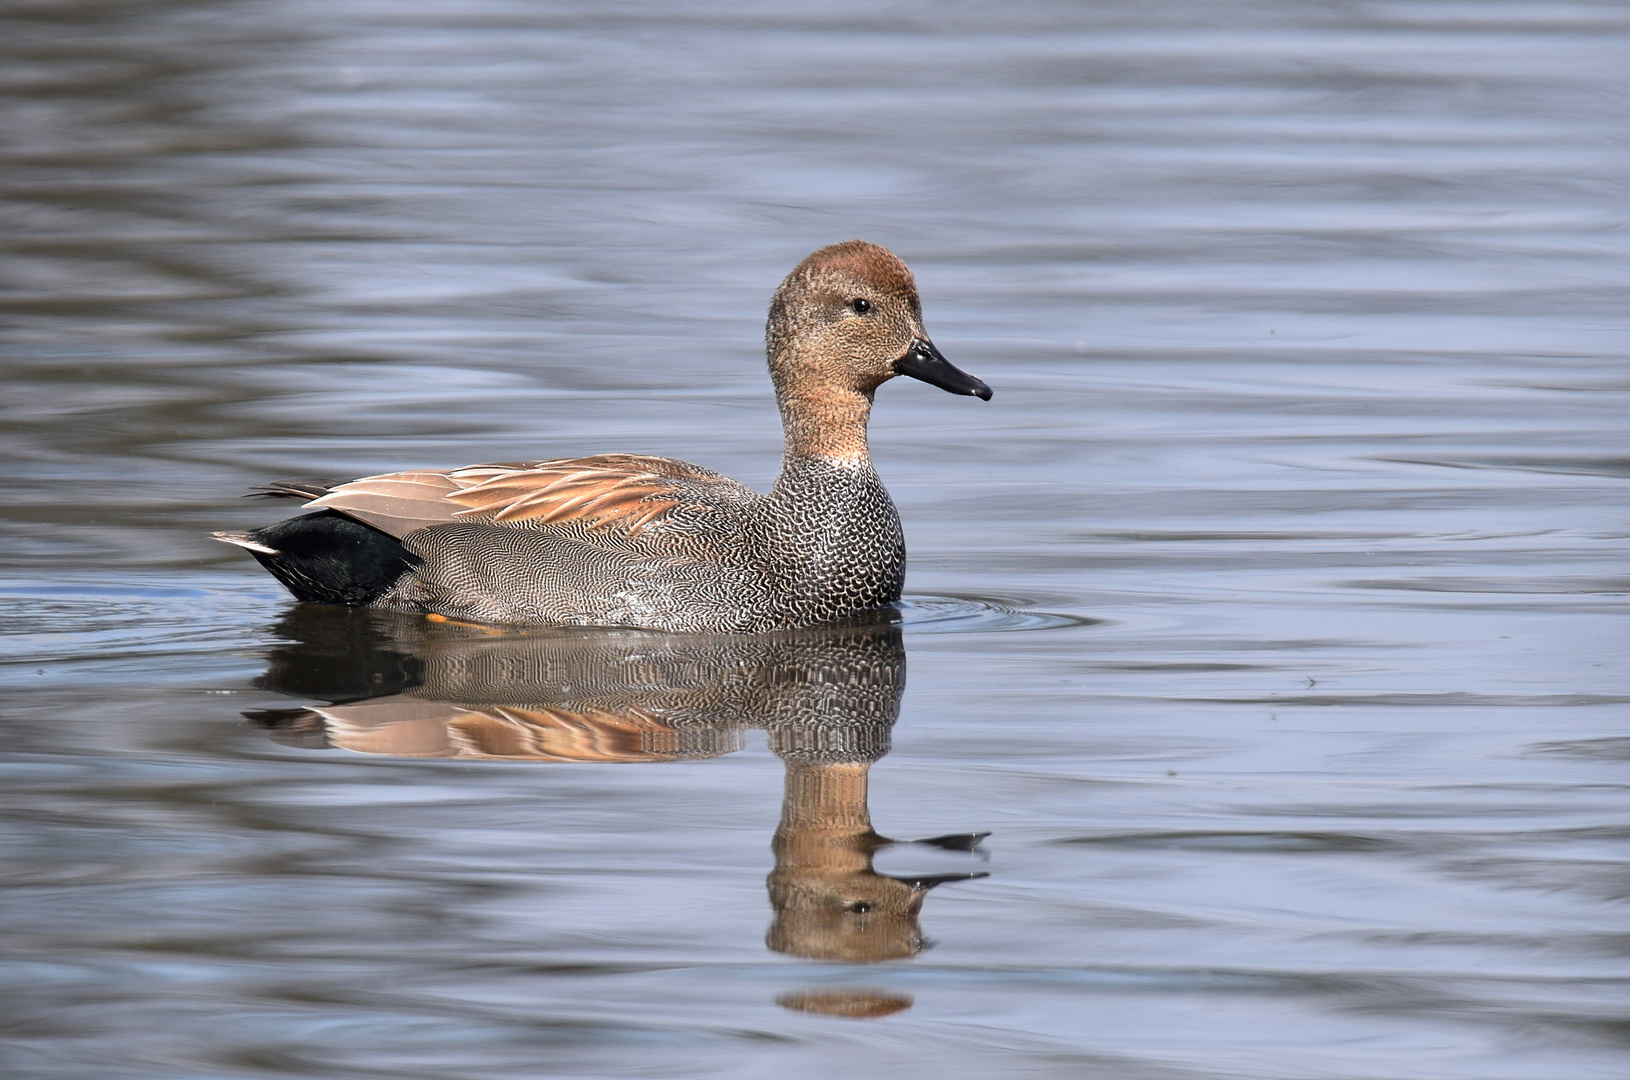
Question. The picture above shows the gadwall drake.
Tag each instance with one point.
(625, 540)
(827, 697)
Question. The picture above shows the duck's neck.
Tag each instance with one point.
(825, 424)
(825, 825)
(834, 534)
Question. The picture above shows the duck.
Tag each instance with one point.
(627, 540)
(827, 698)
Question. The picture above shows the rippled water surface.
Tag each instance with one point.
(1271, 619)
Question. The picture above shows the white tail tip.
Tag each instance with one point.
(241, 539)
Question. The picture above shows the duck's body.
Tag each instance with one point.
(825, 542)
(621, 540)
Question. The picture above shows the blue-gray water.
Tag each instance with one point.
(1271, 618)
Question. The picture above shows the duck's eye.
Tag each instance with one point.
(860, 305)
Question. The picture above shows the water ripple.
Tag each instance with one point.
(923, 614)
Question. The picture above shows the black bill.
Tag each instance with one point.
(928, 881)
(923, 361)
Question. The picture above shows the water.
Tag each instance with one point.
(1271, 618)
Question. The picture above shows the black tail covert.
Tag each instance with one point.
(328, 558)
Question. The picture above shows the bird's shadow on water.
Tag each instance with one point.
(827, 697)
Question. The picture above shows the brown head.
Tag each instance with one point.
(856, 916)
(830, 904)
(845, 321)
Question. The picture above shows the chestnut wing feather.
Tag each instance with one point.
(609, 491)
(396, 503)
(626, 492)
(405, 726)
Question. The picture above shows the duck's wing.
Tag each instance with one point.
(614, 492)
(407, 726)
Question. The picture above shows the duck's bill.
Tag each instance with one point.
(928, 881)
(924, 362)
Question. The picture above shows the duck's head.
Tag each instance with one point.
(847, 318)
(852, 914)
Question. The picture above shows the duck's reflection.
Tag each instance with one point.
(827, 697)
